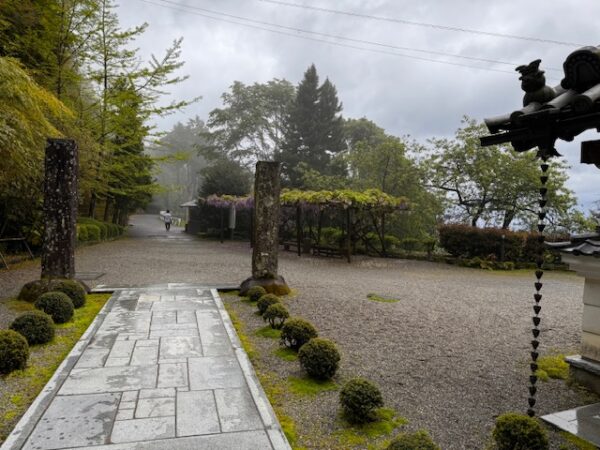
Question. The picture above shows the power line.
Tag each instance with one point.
(194, 10)
(424, 24)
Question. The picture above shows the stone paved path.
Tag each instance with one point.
(159, 368)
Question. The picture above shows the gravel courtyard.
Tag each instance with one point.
(450, 355)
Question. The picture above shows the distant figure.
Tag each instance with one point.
(168, 219)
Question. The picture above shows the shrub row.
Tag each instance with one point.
(31, 291)
(486, 243)
(90, 230)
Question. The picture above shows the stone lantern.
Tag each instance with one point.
(582, 253)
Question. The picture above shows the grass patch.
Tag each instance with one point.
(377, 298)
(287, 354)
(552, 366)
(240, 328)
(308, 386)
(19, 388)
(268, 332)
(358, 435)
(575, 443)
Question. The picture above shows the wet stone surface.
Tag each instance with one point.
(160, 371)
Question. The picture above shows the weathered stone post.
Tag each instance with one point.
(60, 209)
(267, 187)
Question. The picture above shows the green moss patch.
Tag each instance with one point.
(377, 298)
(286, 354)
(358, 435)
(309, 386)
(552, 366)
(268, 332)
(575, 443)
(19, 389)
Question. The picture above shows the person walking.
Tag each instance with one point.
(168, 219)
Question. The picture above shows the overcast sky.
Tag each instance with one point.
(406, 96)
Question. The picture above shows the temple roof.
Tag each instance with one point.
(580, 245)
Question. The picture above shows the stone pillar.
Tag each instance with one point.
(585, 368)
(267, 187)
(60, 209)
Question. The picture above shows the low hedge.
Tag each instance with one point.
(296, 332)
(56, 304)
(320, 358)
(74, 290)
(91, 230)
(14, 351)
(518, 431)
(35, 326)
(360, 399)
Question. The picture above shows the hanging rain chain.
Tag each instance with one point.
(538, 286)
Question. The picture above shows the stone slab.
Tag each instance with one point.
(144, 356)
(172, 375)
(77, 420)
(155, 407)
(109, 379)
(180, 347)
(591, 319)
(215, 372)
(197, 413)
(147, 429)
(583, 422)
(237, 411)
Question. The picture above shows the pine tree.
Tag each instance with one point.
(314, 129)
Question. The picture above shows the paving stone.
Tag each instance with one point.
(214, 337)
(246, 440)
(129, 396)
(172, 326)
(145, 306)
(197, 413)
(131, 336)
(155, 407)
(172, 375)
(157, 393)
(143, 429)
(144, 355)
(214, 372)
(174, 333)
(147, 343)
(237, 410)
(180, 347)
(122, 349)
(186, 317)
(127, 405)
(167, 298)
(109, 379)
(126, 322)
(149, 298)
(92, 357)
(178, 305)
(103, 340)
(75, 421)
(116, 362)
(125, 414)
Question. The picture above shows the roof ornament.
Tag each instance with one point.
(533, 82)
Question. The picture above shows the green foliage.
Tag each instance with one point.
(320, 358)
(306, 386)
(31, 291)
(378, 298)
(287, 354)
(82, 233)
(93, 233)
(419, 440)
(268, 332)
(224, 176)
(297, 332)
(368, 199)
(56, 304)
(35, 326)
(519, 432)
(359, 399)
(552, 366)
(265, 301)
(354, 435)
(255, 292)
(74, 290)
(276, 314)
(14, 351)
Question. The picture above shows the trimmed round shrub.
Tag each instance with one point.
(93, 232)
(419, 440)
(320, 358)
(58, 305)
(31, 291)
(14, 351)
(265, 301)
(276, 314)
(35, 326)
(297, 332)
(359, 399)
(74, 290)
(82, 233)
(255, 293)
(519, 432)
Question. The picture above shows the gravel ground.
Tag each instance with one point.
(450, 356)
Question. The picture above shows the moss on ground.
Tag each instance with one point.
(358, 435)
(552, 366)
(19, 389)
(268, 332)
(377, 298)
(310, 387)
(287, 354)
(575, 443)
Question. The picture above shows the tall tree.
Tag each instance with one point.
(314, 129)
(250, 125)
